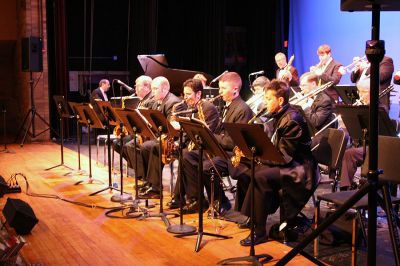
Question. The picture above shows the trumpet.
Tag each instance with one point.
(311, 93)
(353, 66)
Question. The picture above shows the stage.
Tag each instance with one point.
(69, 234)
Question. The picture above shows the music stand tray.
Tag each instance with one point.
(255, 144)
(204, 140)
(63, 112)
(348, 93)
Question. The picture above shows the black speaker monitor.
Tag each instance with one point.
(20, 216)
(32, 59)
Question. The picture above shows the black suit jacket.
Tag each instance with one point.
(237, 112)
(331, 73)
(147, 102)
(167, 103)
(386, 69)
(321, 111)
(97, 94)
(210, 113)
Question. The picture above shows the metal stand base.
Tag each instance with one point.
(60, 165)
(181, 229)
(121, 198)
(254, 260)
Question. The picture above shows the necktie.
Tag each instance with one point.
(224, 112)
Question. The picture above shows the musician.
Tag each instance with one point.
(354, 156)
(256, 101)
(296, 178)
(143, 91)
(148, 166)
(100, 94)
(286, 72)
(208, 113)
(327, 70)
(235, 111)
(318, 109)
(386, 68)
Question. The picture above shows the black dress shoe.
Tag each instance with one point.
(245, 224)
(174, 204)
(193, 207)
(258, 239)
(150, 193)
(144, 186)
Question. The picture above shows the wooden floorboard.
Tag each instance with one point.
(69, 234)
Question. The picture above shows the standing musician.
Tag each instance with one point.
(256, 101)
(286, 72)
(100, 94)
(296, 178)
(148, 166)
(208, 113)
(327, 70)
(235, 111)
(319, 109)
(386, 68)
(143, 91)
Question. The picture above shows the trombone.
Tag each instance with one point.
(311, 93)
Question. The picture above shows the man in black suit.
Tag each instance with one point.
(236, 111)
(327, 70)
(318, 110)
(149, 163)
(143, 91)
(101, 92)
(296, 178)
(208, 113)
(286, 72)
(386, 68)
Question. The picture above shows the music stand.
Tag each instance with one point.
(4, 111)
(112, 119)
(129, 102)
(88, 116)
(78, 133)
(63, 112)
(181, 228)
(163, 127)
(348, 93)
(204, 140)
(255, 145)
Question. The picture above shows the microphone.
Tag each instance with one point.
(396, 78)
(257, 73)
(217, 78)
(190, 111)
(264, 111)
(130, 89)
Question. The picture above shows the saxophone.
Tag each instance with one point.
(117, 129)
(168, 147)
(202, 117)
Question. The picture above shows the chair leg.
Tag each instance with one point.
(353, 242)
(97, 150)
(104, 152)
(171, 184)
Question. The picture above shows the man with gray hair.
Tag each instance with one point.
(285, 71)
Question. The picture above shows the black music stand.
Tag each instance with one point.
(112, 119)
(88, 116)
(159, 122)
(4, 111)
(135, 125)
(204, 141)
(63, 112)
(78, 134)
(255, 145)
(348, 93)
(181, 228)
(129, 102)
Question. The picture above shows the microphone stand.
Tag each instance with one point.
(5, 150)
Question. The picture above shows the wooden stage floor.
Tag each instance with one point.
(68, 234)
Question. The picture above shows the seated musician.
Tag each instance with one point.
(296, 178)
(286, 72)
(208, 113)
(317, 109)
(327, 70)
(256, 102)
(148, 165)
(143, 91)
(354, 156)
(235, 111)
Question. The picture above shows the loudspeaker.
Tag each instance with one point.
(32, 59)
(20, 216)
